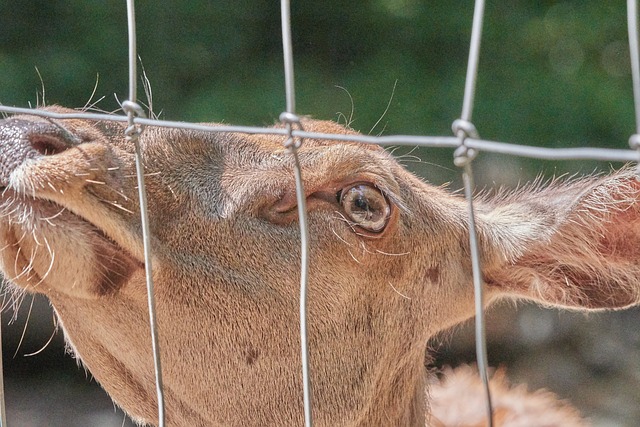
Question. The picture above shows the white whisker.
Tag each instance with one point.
(398, 292)
(26, 323)
(354, 258)
(340, 238)
(392, 254)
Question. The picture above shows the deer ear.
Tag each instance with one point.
(575, 244)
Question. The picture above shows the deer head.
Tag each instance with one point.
(389, 265)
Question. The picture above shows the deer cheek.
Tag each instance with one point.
(115, 267)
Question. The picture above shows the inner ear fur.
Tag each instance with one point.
(574, 244)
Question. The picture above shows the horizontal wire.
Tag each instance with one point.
(545, 153)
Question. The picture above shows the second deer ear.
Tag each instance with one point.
(575, 244)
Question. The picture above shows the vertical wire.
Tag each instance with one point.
(478, 286)
(472, 65)
(144, 218)
(632, 23)
(304, 268)
(467, 176)
(150, 288)
(131, 25)
(287, 48)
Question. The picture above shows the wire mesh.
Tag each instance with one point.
(465, 140)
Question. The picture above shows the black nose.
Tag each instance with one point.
(24, 139)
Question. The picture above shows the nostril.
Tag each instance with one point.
(21, 140)
(47, 146)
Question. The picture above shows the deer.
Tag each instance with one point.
(389, 268)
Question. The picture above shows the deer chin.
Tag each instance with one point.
(47, 248)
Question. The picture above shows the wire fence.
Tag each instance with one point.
(465, 140)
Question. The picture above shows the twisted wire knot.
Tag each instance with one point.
(133, 110)
(464, 129)
(290, 120)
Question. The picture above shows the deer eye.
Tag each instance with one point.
(366, 206)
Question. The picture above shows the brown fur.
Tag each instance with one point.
(226, 265)
(457, 399)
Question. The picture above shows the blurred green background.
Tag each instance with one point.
(552, 73)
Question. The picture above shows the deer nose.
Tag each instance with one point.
(21, 140)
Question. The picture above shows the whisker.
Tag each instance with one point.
(340, 238)
(53, 334)
(353, 107)
(398, 292)
(52, 257)
(35, 237)
(384, 113)
(24, 330)
(175, 196)
(117, 205)
(392, 254)
(352, 256)
(89, 104)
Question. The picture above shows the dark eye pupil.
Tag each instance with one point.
(361, 203)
